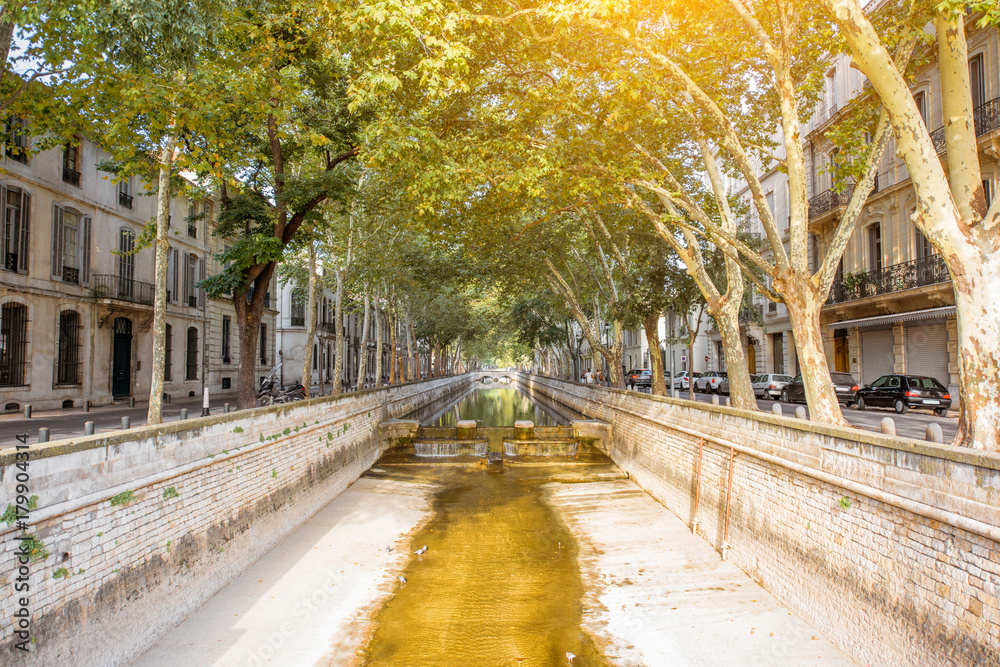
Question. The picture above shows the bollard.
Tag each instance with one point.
(131, 401)
(715, 399)
(934, 433)
(86, 405)
(677, 394)
(728, 402)
(205, 410)
(27, 412)
(88, 428)
(888, 426)
(184, 413)
(225, 408)
(43, 435)
(126, 423)
(776, 409)
(800, 412)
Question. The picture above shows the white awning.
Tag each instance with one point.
(880, 320)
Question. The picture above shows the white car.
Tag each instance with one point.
(682, 381)
(769, 385)
(710, 381)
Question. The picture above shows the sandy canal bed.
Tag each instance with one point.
(524, 567)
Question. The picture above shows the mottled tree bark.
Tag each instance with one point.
(154, 415)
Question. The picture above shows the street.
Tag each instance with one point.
(911, 425)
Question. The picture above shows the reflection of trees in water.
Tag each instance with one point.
(497, 407)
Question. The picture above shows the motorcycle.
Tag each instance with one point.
(271, 392)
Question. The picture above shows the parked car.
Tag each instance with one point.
(902, 392)
(682, 381)
(639, 377)
(769, 385)
(843, 384)
(709, 381)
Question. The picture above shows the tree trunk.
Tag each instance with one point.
(438, 370)
(803, 313)
(336, 383)
(378, 342)
(411, 365)
(740, 389)
(615, 372)
(651, 325)
(154, 414)
(363, 345)
(248, 317)
(307, 357)
(393, 365)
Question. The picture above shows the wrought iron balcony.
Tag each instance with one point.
(110, 286)
(298, 321)
(71, 176)
(907, 275)
(329, 327)
(829, 200)
(985, 119)
(125, 199)
(70, 275)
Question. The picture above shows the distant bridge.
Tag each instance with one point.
(488, 379)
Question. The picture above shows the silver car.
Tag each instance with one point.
(769, 385)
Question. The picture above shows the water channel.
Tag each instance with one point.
(500, 581)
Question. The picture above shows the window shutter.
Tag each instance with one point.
(3, 220)
(22, 250)
(187, 278)
(174, 281)
(201, 276)
(85, 251)
(170, 275)
(57, 230)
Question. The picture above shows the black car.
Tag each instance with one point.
(639, 377)
(843, 384)
(902, 392)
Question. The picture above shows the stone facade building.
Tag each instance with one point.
(76, 298)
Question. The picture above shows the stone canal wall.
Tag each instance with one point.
(136, 529)
(889, 546)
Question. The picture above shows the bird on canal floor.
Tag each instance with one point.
(421, 550)
(402, 579)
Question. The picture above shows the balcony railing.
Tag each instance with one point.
(71, 176)
(298, 321)
(907, 275)
(829, 200)
(110, 286)
(125, 199)
(329, 327)
(70, 275)
(985, 119)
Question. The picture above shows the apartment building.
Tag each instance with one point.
(291, 340)
(76, 297)
(891, 308)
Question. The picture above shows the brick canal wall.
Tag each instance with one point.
(141, 527)
(889, 546)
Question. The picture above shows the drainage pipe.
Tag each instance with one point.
(697, 487)
(729, 502)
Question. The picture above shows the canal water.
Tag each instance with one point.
(499, 583)
(495, 406)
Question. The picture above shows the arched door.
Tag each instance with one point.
(121, 365)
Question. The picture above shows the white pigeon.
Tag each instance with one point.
(402, 579)
(570, 656)
(421, 550)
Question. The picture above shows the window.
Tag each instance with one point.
(16, 139)
(194, 215)
(831, 90)
(68, 362)
(298, 310)
(16, 218)
(125, 193)
(168, 355)
(921, 101)
(191, 368)
(988, 193)
(13, 344)
(315, 362)
(263, 343)
(71, 164)
(875, 247)
(126, 263)
(977, 82)
(923, 247)
(70, 246)
(194, 271)
(226, 328)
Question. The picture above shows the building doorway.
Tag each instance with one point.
(841, 360)
(121, 367)
(752, 355)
